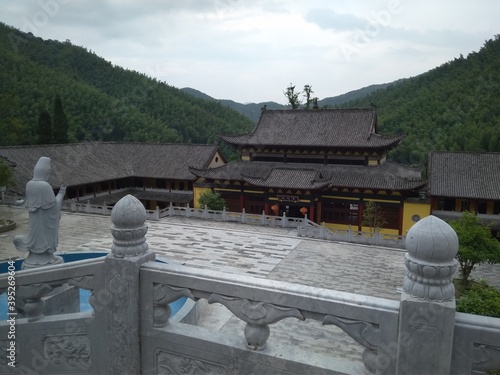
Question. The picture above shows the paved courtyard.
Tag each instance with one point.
(264, 252)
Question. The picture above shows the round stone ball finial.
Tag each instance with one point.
(432, 246)
(129, 228)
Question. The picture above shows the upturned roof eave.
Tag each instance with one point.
(391, 142)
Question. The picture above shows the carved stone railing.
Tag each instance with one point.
(54, 342)
(130, 329)
(308, 228)
(371, 322)
(476, 345)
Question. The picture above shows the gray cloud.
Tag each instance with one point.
(329, 19)
(251, 50)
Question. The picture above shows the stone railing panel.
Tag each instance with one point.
(259, 303)
(476, 345)
(59, 343)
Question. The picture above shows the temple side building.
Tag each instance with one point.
(465, 181)
(327, 163)
(104, 172)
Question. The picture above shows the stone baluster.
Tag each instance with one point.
(257, 315)
(128, 252)
(427, 313)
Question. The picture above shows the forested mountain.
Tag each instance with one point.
(253, 110)
(100, 101)
(454, 107)
(250, 110)
(353, 95)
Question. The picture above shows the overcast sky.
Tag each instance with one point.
(251, 50)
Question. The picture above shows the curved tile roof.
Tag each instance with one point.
(473, 175)
(82, 163)
(289, 178)
(387, 176)
(331, 128)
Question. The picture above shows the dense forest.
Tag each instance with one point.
(100, 101)
(454, 107)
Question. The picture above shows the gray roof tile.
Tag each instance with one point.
(473, 175)
(82, 163)
(387, 176)
(327, 128)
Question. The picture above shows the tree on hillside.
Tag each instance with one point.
(292, 96)
(44, 128)
(60, 123)
(476, 244)
(307, 94)
(212, 199)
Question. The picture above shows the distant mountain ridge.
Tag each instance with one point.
(252, 110)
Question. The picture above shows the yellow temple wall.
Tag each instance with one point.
(410, 210)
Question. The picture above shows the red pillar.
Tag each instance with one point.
(266, 208)
(242, 202)
(311, 213)
(361, 207)
(401, 214)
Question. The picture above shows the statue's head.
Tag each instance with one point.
(42, 169)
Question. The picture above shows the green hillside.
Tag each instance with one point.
(250, 110)
(101, 101)
(454, 107)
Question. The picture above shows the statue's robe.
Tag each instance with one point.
(44, 213)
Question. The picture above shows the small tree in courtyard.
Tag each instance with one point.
(373, 217)
(5, 174)
(212, 199)
(476, 244)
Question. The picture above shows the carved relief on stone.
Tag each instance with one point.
(129, 228)
(119, 334)
(430, 282)
(171, 363)
(68, 351)
(162, 296)
(485, 358)
(257, 315)
(364, 333)
(432, 246)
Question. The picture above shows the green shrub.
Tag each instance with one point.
(480, 299)
(212, 199)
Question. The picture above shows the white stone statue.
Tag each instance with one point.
(44, 210)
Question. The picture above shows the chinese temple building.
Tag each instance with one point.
(104, 172)
(326, 163)
(465, 181)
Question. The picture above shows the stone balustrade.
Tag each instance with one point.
(130, 330)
